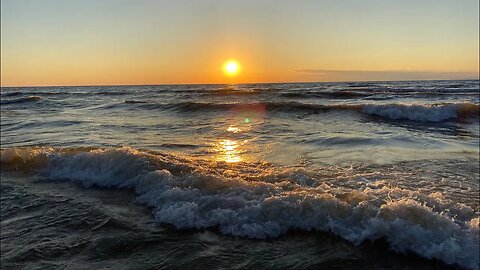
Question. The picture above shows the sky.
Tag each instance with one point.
(109, 42)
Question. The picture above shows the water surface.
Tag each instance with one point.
(368, 175)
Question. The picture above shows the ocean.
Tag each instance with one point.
(348, 175)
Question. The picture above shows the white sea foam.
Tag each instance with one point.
(186, 195)
(422, 113)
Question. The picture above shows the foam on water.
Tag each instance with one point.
(261, 201)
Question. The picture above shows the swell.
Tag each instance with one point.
(112, 93)
(133, 101)
(356, 94)
(393, 111)
(333, 94)
(11, 94)
(67, 92)
(263, 202)
(20, 100)
(229, 92)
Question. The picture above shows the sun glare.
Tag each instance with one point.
(231, 68)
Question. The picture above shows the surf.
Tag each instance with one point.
(263, 201)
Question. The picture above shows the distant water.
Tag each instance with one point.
(370, 175)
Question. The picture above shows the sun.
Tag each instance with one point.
(231, 68)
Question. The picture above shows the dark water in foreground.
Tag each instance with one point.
(375, 175)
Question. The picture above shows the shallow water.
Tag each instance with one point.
(242, 176)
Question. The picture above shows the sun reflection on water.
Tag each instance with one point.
(242, 121)
(229, 151)
(233, 129)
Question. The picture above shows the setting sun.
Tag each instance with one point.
(231, 68)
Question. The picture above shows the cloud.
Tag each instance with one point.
(332, 74)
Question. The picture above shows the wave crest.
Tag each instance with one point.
(423, 113)
(393, 111)
(188, 194)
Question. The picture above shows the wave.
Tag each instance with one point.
(133, 101)
(455, 85)
(372, 94)
(413, 112)
(332, 94)
(112, 93)
(234, 92)
(265, 202)
(38, 93)
(363, 85)
(423, 113)
(440, 93)
(20, 100)
(11, 94)
(222, 91)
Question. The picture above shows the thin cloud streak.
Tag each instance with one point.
(387, 74)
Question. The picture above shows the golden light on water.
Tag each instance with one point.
(233, 129)
(242, 121)
(228, 151)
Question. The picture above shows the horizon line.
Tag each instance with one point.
(160, 84)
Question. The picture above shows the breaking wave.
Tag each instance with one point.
(423, 113)
(261, 201)
(412, 112)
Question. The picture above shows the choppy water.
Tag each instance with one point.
(367, 175)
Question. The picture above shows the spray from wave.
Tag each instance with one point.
(261, 201)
